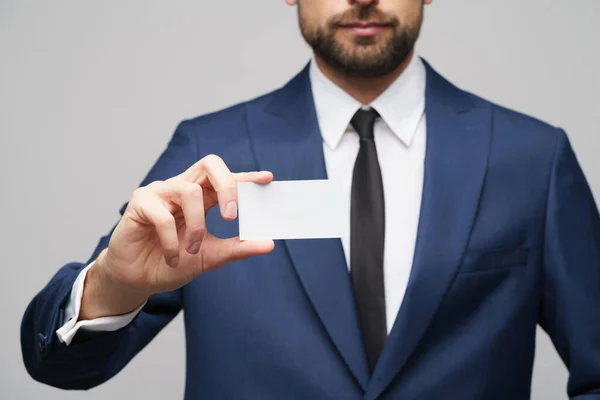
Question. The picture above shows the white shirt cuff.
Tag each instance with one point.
(67, 332)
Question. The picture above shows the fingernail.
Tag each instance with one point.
(231, 209)
(194, 247)
(174, 261)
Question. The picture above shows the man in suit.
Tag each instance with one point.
(468, 225)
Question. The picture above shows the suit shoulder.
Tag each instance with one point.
(223, 132)
(227, 117)
(519, 136)
(511, 122)
(505, 122)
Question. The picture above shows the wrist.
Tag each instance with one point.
(103, 297)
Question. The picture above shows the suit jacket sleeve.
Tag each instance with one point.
(94, 357)
(570, 311)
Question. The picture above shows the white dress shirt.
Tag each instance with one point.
(400, 138)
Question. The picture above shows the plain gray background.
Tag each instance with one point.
(91, 91)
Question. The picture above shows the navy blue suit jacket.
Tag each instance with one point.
(508, 237)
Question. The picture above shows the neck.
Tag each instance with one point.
(363, 89)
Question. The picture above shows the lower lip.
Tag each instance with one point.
(366, 30)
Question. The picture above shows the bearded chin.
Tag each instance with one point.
(367, 56)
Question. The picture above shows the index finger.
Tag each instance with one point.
(213, 170)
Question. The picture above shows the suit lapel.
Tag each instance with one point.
(458, 140)
(287, 141)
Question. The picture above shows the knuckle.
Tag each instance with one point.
(232, 250)
(197, 231)
(137, 195)
(154, 185)
(192, 190)
(213, 158)
(164, 222)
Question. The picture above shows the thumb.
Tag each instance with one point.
(218, 252)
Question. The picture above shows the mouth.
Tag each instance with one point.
(365, 28)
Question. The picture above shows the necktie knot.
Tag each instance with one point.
(363, 122)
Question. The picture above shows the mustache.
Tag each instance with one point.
(364, 14)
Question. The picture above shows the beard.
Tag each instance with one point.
(367, 57)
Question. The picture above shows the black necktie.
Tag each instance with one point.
(367, 231)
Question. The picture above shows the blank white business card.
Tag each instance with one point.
(291, 210)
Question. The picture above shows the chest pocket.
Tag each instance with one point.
(495, 259)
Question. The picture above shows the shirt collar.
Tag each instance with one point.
(401, 105)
